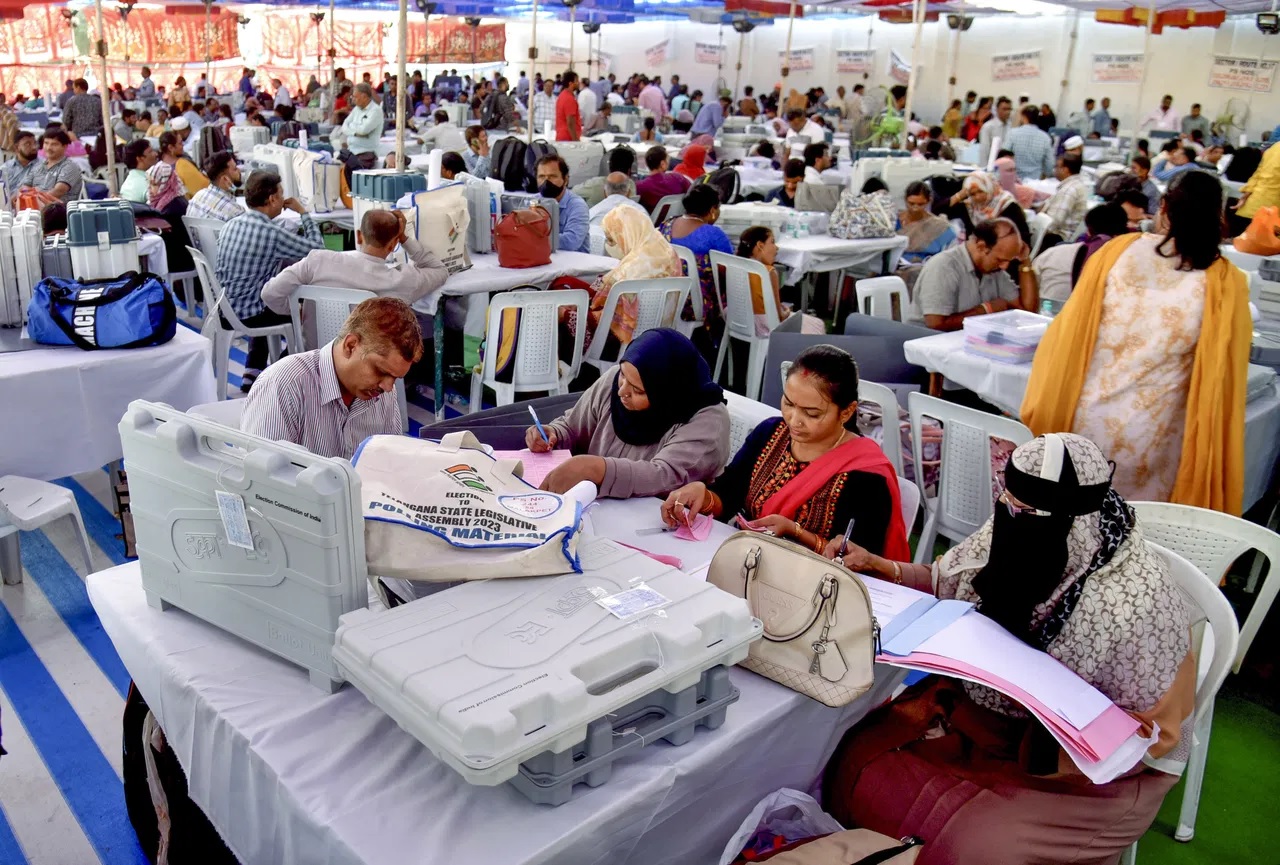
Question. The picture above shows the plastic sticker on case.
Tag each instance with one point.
(234, 519)
(633, 602)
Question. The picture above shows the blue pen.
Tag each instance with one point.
(538, 424)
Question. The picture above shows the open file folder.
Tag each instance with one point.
(920, 632)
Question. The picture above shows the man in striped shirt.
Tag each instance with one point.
(331, 399)
(250, 251)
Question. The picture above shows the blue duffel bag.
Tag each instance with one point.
(128, 311)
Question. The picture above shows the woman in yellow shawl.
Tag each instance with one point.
(643, 253)
(1148, 358)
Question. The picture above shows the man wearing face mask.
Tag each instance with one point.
(575, 217)
(218, 199)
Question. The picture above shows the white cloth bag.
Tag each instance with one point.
(439, 219)
(319, 181)
(447, 511)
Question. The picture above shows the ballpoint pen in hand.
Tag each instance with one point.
(844, 545)
(537, 423)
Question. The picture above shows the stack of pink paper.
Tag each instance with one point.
(951, 639)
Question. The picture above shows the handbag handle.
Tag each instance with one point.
(749, 567)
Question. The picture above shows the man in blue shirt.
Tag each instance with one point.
(575, 216)
(246, 82)
(1032, 147)
(1101, 119)
(1180, 159)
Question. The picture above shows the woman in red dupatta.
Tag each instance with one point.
(804, 476)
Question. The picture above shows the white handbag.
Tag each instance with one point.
(820, 636)
(447, 510)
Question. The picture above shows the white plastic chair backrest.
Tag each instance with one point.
(733, 283)
(659, 302)
(964, 500)
(744, 416)
(536, 364)
(228, 412)
(1212, 541)
(891, 441)
(1216, 650)
(597, 240)
(875, 296)
(209, 276)
(330, 308)
(1039, 224)
(204, 234)
(909, 496)
(695, 287)
(668, 207)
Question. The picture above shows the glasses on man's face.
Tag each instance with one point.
(1014, 508)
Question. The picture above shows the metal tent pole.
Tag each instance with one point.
(533, 62)
(1142, 82)
(103, 91)
(917, 16)
(400, 84)
(1066, 70)
(786, 60)
(333, 64)
(208, 46)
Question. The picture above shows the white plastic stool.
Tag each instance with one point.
(26, 505)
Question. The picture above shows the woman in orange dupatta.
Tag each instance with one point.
(805, 476)
(1149, 356)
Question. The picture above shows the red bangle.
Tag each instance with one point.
(986, 305)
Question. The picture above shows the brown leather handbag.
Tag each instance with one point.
(523, 238)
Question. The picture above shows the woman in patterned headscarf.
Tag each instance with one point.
(1063, 566)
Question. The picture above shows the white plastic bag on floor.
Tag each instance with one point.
(789, 813)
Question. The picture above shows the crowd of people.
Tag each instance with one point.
(1168, 410)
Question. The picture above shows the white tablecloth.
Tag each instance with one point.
(822, 253)
(486, 277)
(343, 218)
(62, 405)
(1004, 384)
(289, 774)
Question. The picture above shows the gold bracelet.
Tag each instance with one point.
(897, 573)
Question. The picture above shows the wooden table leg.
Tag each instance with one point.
(935, 384)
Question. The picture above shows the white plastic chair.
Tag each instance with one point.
(1243, 260)
(964, 499)
(221, 336)
(875, 296)
(536, 365)
(1039, 224)
(596, 236)
(204, 234)
(229, 412)
(744, 416)
(27, 504)
(1211, 541)
(659, 302)
(891, 443)
(329, 309)
(733, 283)
(1215, 652)
(668, 207)
(909, 498)
(690, 262)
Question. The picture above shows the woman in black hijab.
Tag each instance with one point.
(653, 424)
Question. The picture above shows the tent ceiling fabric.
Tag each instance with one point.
(1231, 7)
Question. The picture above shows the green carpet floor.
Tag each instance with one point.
(1240, 801)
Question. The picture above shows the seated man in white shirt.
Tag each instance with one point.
(617, 191)
(798, 124)
(817, 159)
(365, 268)
(332, 398)
(444, 135)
